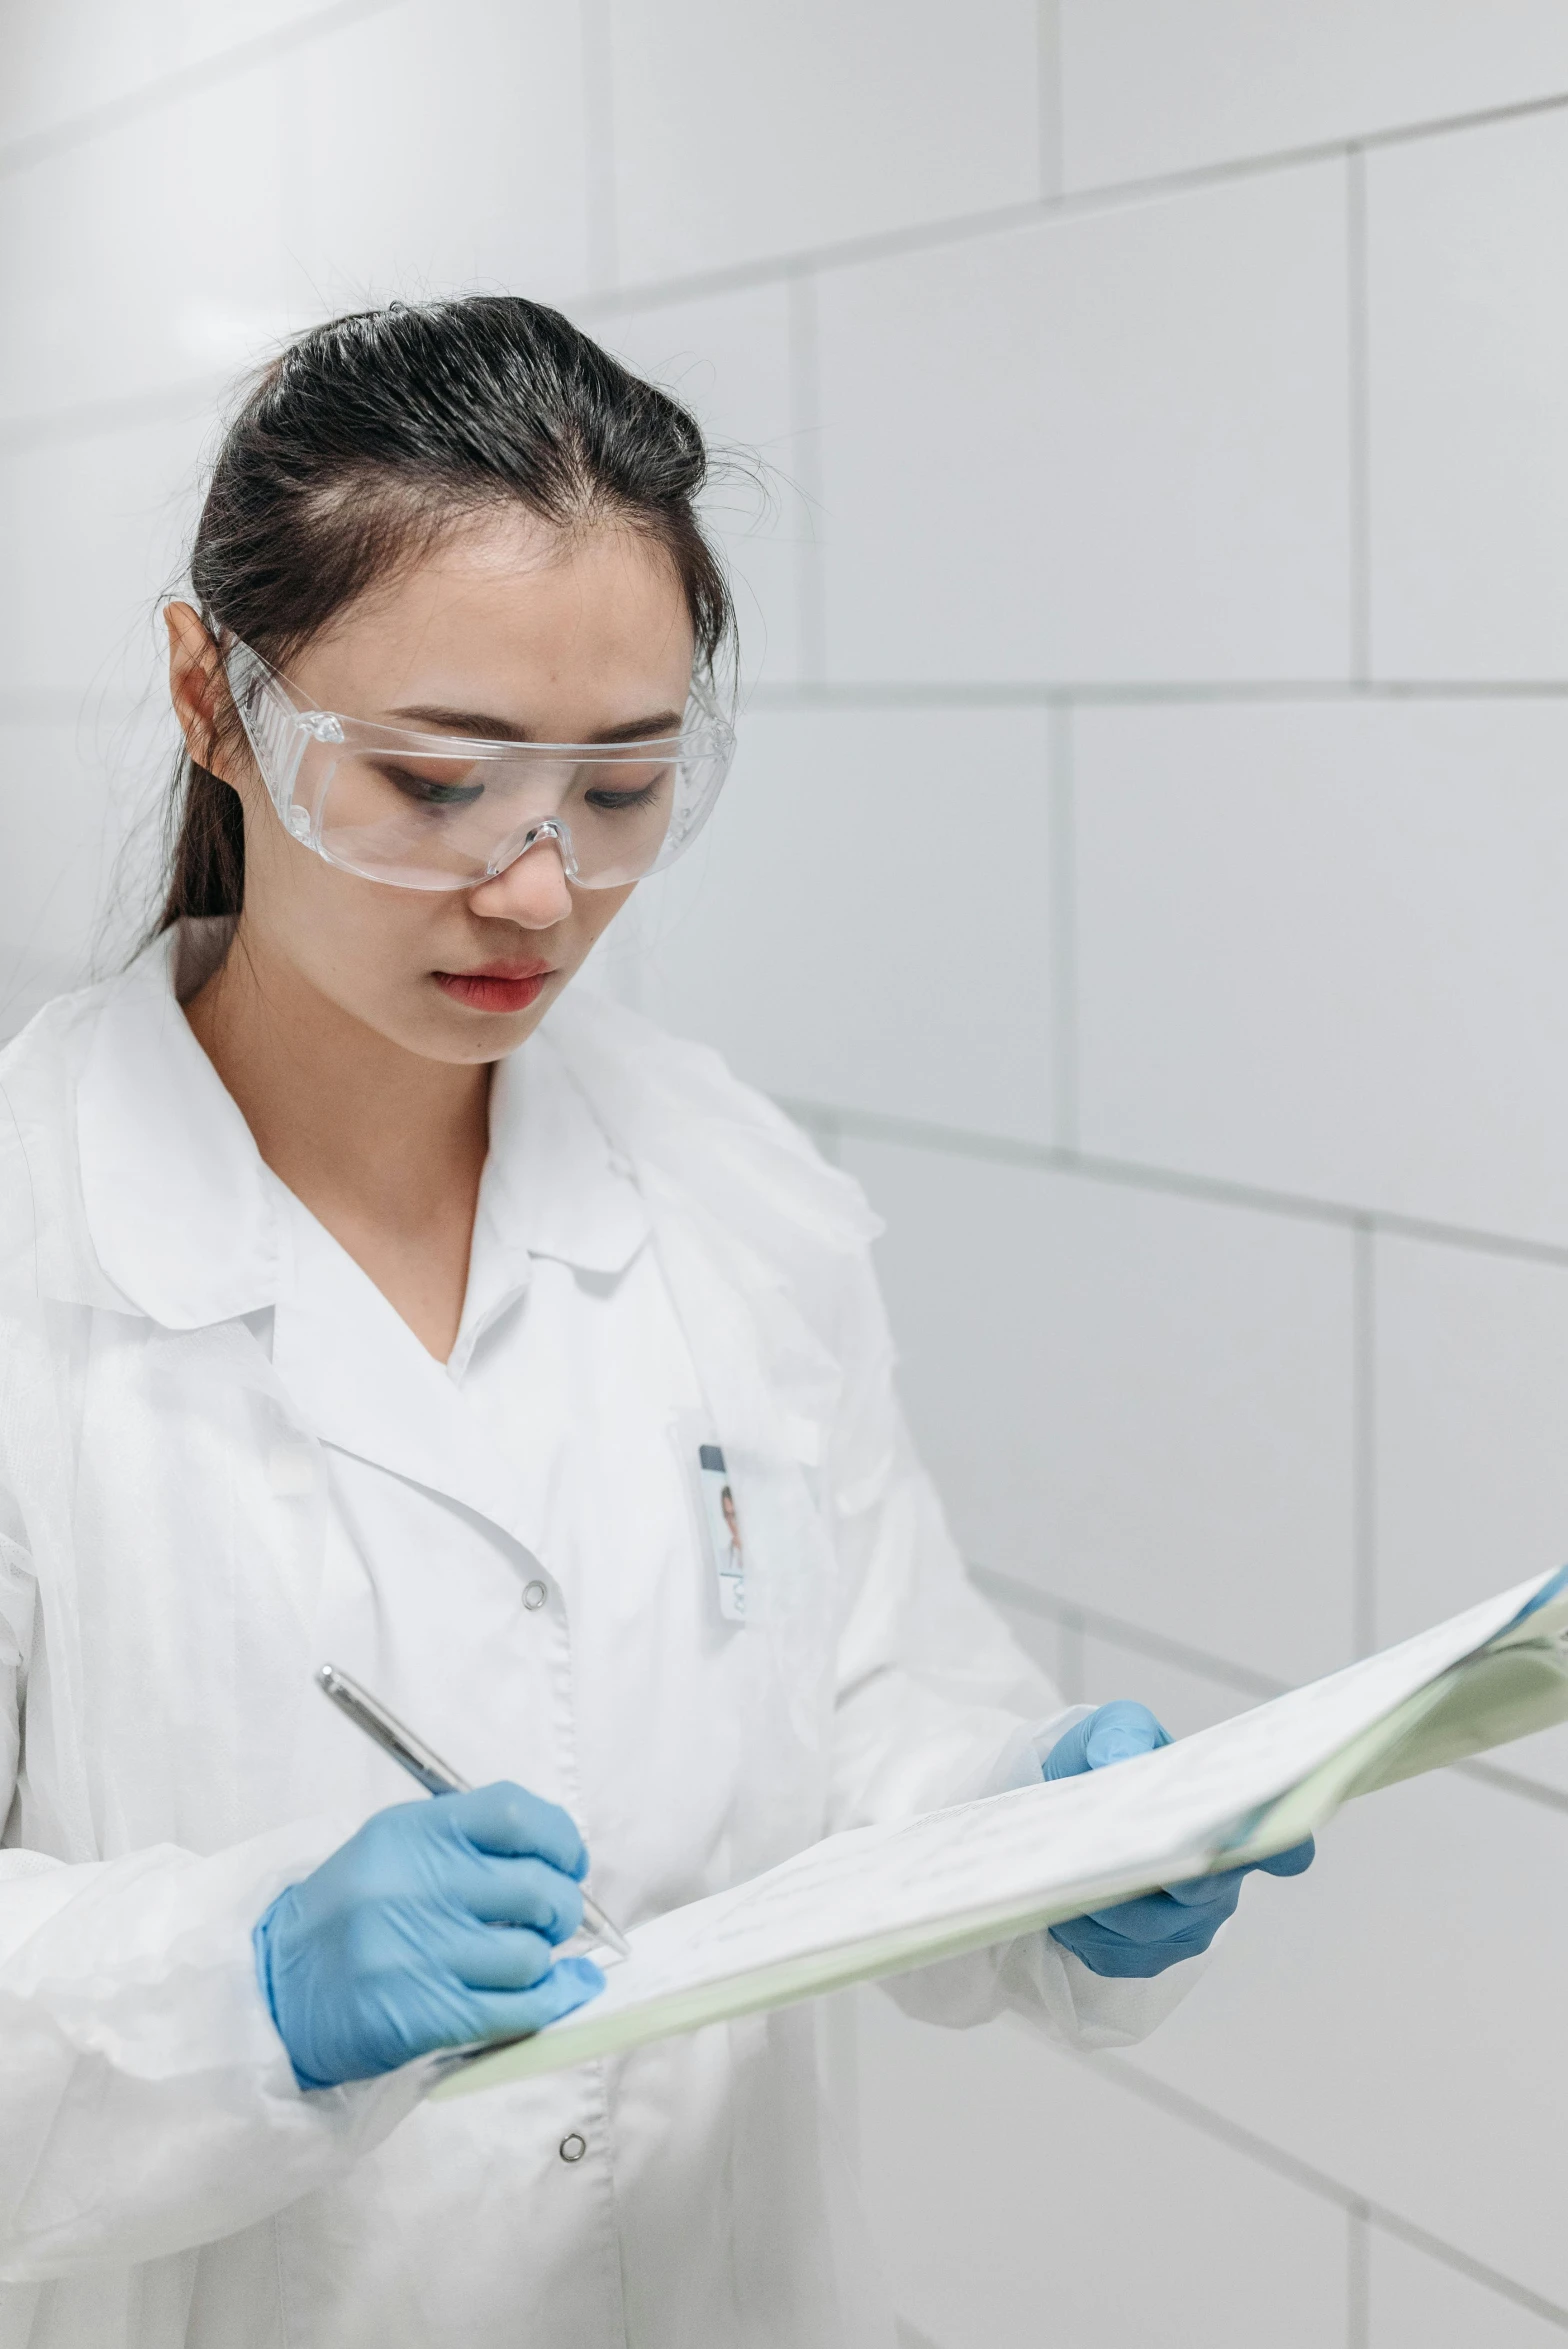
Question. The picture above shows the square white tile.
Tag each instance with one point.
(1137, 1402)
(63, 63)
(1472, 1470)
(66, 820)
(1467, 345)
(441, 147)
(1111, 447)
(1149, 86)
(152, 255)
(839, 937)
(745, 132)
(1019, 2197)
(1320, 949)
(1394, 2018)
(95, 532)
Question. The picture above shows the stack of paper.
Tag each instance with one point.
(881, 1899)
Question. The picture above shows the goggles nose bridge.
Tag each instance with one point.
(513, 849)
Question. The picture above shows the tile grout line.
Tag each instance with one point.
(1073, 1615)
(829, 1140)
(870, 1125)
(849, 252)
(1267, 2155)
(1062, 935)
(1358, 2276)
(1050, 99)
(1358, 323)
(1076, 1620)
(963, 228)
(20, 154)
(102, 419)
(805, 424)
(1364, 1436)
(599, 195)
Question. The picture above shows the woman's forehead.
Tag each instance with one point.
(507, 614)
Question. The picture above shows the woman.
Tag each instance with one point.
(349, 1313)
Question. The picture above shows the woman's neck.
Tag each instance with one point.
(385, 1147)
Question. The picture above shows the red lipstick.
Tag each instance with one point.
(496, 986)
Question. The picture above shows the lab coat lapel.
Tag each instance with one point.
(362, 1382)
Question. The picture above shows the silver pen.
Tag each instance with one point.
(434, 1775)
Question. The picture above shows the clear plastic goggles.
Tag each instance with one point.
(432, 811)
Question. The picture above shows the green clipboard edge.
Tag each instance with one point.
(1514, 1686)
(1511, 1688)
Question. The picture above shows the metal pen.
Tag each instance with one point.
(434, 1775)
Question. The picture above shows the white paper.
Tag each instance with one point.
(879, 1899)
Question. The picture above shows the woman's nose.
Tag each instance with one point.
(533, 890)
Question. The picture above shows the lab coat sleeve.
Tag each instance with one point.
(937, 1703)
(149, 2103)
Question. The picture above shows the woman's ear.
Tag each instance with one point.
(198, 690)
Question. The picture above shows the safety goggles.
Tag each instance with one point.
(432, 811)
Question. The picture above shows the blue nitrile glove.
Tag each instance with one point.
(434, 1925)
(1145, 1936)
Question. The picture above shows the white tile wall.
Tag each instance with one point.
(1183, 1700)
(835, 937)
(1472, 1421)
(95, 530)
(1321, 949)
(1394, 2018)
(1021, 2198)
(1472, 1469)
(1055, 1647)
(59, 68)
(729, 360)
(735, 139)
(1111, 447)
(1152, 86)
(1313, 947)
(1468, 349)
(387, 194)
(188, 283)
(1134, 1401)
(64, 832)
(1417, 2302)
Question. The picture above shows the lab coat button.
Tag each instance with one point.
(573, 2147)
(534, 1597)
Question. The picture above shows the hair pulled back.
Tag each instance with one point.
(368, 440)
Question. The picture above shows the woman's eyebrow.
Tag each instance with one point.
(482, 725)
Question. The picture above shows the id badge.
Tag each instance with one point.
(726, 1543)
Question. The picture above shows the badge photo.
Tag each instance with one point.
(725, 1540)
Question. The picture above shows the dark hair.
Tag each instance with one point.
(369, 439)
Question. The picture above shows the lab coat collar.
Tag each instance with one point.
(553, 1186)
(188, 1225)
(361, 1381)
(193, 1229)
(172, 1183)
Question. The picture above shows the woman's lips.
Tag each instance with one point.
(499, 986)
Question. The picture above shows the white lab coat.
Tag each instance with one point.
(222, 1459)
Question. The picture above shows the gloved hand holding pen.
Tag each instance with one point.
(436, 1924)
(1144, 1936)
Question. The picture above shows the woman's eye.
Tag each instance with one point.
(429, 791)
(615, 802)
